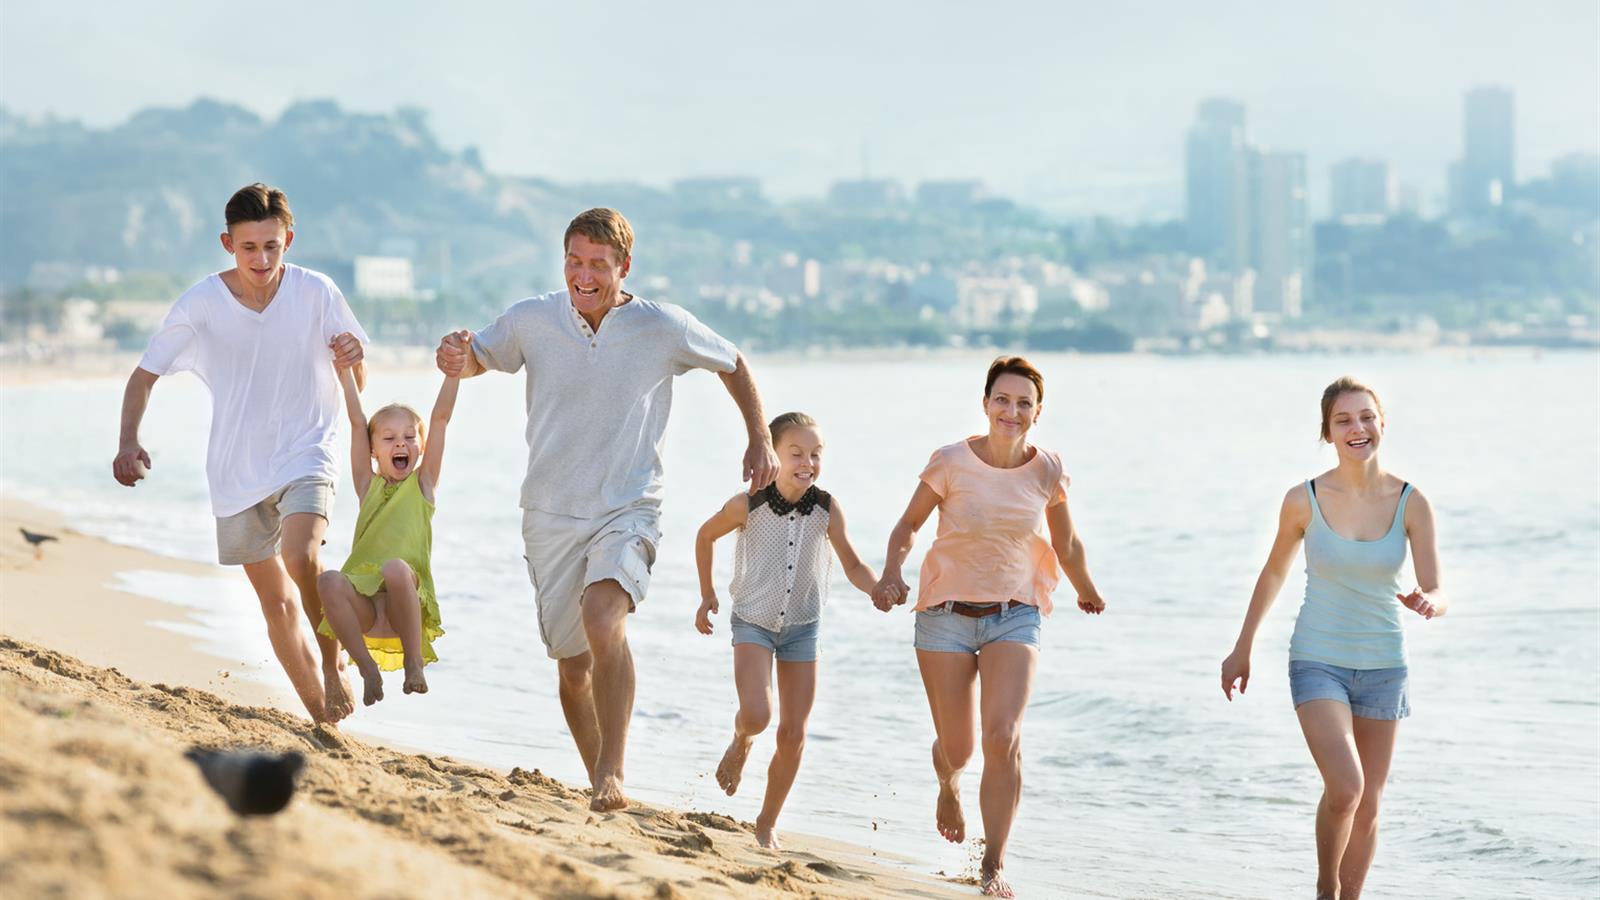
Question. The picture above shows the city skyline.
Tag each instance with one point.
(1068, 115)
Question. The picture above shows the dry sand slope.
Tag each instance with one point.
(96, 800)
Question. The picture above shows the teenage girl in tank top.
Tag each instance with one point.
(1347, 659)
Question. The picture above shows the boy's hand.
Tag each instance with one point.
(347, 350)
(131, 465)
(451, 356)
(702, 616)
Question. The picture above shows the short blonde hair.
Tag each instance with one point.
(393, 409)
(1331, 394)
(603, 226)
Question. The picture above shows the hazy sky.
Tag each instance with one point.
(1044, 100)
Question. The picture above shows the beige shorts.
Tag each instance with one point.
(565, 555)
(256, 533)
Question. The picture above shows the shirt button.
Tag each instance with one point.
(791, 567)
(791, 543)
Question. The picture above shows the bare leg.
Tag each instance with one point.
(950, 680)
(1005, 673)
(797, 691)
(351, 616)
(1330, 736)
(1375, 740)
(405, 614)
(302, 542)
(752, 677)
(577, 704)
(605, 616)
(276, 594)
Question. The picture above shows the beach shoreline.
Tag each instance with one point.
(74, 641)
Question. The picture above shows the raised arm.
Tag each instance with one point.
(859, 573)
(1069, 552)
(892, 589)
(732, 515)
(360, 442)
(438, 423)
(760, 460)
(1428, 598)
(131, 462)
(1293, 518)
(349, 354)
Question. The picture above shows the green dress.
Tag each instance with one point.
(396, 522)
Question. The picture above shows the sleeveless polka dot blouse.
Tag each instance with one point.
(782, 562)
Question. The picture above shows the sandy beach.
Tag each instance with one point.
(98, 704)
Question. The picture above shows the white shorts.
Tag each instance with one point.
(566, 554)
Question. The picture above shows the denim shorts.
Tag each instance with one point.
(943, 630)
(794, 643)
(1370, 693)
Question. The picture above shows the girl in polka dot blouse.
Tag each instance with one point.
(781, 567)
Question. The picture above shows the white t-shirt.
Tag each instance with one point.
(274, 395)
(597, 401)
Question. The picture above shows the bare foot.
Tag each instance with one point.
(952, 822)
(994, 884)
(371, 686)
(608, 795)
(336, 688)
(767, 837)
(415, 683)
(731, 769)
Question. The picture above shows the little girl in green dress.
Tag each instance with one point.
(380, 604)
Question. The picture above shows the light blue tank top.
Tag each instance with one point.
(1351, 617)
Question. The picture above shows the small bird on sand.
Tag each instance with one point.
(37, 540)
(252, 783)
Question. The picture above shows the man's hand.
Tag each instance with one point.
(760, 464)
(131, 465)
(454, 350)
(347, 350)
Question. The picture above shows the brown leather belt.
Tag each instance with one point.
(982, 610)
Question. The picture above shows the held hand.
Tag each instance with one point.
(347, 350)
(1092, 603)
(890, 591)
(1235, 668)
(702, 616)
(1418, 601)
(452, 354)
(131, 465)
(760, 464)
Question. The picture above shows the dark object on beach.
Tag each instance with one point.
(37, 540)
(252, 783)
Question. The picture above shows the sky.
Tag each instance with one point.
(1052, 103)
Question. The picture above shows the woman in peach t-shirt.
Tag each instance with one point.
(984, 584)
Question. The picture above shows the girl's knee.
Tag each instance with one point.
(331, 584)
(1343, 794)
(791, 738)
(397, 570)
(1002, 741)
(957, 753)
(754, 719)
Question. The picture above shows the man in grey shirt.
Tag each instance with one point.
(600, 366)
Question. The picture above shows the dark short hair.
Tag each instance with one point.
(1013, 365)
(257, 203)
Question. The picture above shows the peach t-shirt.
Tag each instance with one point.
(991, 545)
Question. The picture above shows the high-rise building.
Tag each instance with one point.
(1363, 189)
(1248, 211)
(1486, 174)
(1217, 183)
(1280, 233)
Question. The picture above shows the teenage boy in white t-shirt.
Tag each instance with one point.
(265, 337)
